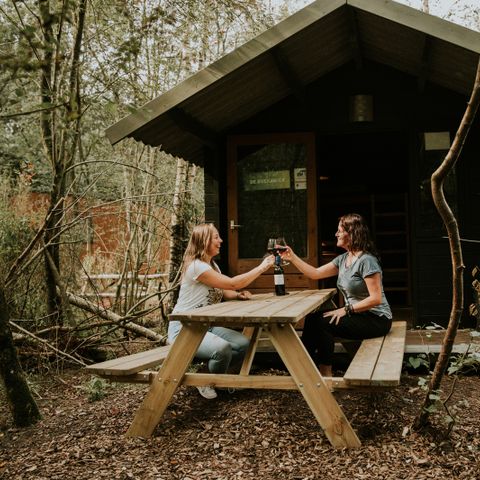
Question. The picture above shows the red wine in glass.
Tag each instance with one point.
(281, 246)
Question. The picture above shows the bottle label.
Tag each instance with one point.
(278, 279)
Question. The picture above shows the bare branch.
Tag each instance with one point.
(108, 315)
(48, 345)
(31, 112)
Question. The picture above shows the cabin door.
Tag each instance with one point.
(271, 192)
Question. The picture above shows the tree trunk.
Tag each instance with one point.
(177, 226)
(450, 222)
(24, 409)
(59, 135)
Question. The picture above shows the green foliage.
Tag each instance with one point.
(421, 360)
(16, 231)
(14, 236)
(18, 223)
(95, 389)
(130, 53)
(467, 363)
(423, 383)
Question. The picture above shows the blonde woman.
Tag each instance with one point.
(203, 284)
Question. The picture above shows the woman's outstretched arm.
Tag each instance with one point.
(315, 273)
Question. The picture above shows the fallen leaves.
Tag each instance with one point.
(250, 434)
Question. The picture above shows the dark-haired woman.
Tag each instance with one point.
(366, 313)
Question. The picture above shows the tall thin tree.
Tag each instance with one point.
(451, 225)
(60, 129)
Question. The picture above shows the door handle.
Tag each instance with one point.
(233, 225)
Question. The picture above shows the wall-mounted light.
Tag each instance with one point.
(361, 108)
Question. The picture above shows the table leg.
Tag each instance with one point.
(167, 380)
(253, 333)
(310, 383)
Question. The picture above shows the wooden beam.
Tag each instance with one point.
(355, 38)
(147, 376)
(313, 387)
(252, 333)
(194, 127)
(167, 380)
(258, 382)
(421, 22)
(422, 73)
(274, 382)
(288, 74)
(262, 382)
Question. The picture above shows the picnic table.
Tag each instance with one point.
(376, 364)
(276, 316)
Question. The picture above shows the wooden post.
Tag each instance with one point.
(311, 385)
(167, 380)
(253, 333)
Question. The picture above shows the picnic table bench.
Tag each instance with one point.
(124, 369)
(376, 365)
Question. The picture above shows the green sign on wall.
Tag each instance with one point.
(270, 180)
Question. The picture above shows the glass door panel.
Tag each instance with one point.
(271, 193)
(272, 197)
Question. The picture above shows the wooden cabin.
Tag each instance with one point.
(346, 106)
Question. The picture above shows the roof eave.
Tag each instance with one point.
(222, 67)
(389, 10)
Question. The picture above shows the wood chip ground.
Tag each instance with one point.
(247, 434)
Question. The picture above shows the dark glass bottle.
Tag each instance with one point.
(278, 276)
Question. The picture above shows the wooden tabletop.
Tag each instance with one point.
(263, 308)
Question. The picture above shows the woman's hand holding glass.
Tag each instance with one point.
(287, 255)
(277, 246)
(281, 246)
(267, 262)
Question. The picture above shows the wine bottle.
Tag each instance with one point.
(278, 277)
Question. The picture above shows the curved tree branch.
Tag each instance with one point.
(450, 222)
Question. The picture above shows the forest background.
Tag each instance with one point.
(72, 207)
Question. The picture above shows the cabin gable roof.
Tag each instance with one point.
(283, 60)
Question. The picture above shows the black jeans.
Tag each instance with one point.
(318, 334)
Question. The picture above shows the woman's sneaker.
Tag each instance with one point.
(207, 392)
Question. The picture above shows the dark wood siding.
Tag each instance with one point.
(400, 105)
(469, 207)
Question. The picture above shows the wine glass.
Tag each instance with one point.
(271, 246)
(281, 246)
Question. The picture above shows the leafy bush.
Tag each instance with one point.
(15, 234)
(95, 389)
(18, 223)
(421, 360)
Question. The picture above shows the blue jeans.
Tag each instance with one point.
(220, 346)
